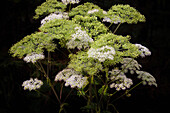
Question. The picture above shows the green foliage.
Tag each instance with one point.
(81, 63)
(84, 8)
(125, 13)
(60, 28)
(92, 26)
(48, 7)
(121, 45)
(36, 42)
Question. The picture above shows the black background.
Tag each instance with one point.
(17, 22)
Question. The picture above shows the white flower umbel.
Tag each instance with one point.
(92, 11)
(65, 74)
(56, 15)
(76, 81)
(32, 84)
(114, 20)
(106, 19)
(70, 1)
(144, 51)
(131, 65)
(72, 78)
(120, 81)
(147, 78)
(33, 57)
(80, 39)
(102, 54)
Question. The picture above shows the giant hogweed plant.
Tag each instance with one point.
(101, 63)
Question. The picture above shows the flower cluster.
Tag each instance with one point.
(92, 11)
(130, 64)
(32, 84)
(114, 20)
(52, 16)
(72, 78)
(33, 57)
(147, 78)
(80, 39)
(102, 54)
(120, 81)
(144, 51)
(70, 1)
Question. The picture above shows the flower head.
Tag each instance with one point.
(115, 20)
(120, 81)
(144, 51)
(52, 16)
(70, 1)
(102, 54)
(130, 64)
(72, 78)
(32, 84)
(147, 78)
(92, 11)
(33, 57)
(80, 39)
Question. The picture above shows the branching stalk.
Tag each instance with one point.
(116, 28)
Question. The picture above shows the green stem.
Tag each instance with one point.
(67, 95)
(45, 96)
(38, 67)
(69, 7)
(116, 28)
(49, 81)
(45, 74)
(52, 87)
(90, 93)
(106, 71)
(110, 25)
(114, 108)
(113, 93)
(128, 91)
(61, 90)
(122, 70)
(48, 64)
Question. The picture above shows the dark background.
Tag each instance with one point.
(17, 22)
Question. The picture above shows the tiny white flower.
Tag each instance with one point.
(92, 11)
(106, 19)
